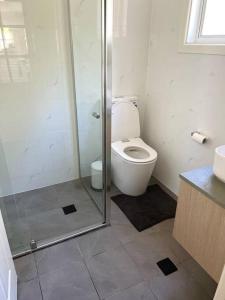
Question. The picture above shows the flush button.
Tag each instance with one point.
(125, 141)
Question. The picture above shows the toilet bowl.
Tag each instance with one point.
(133, 161)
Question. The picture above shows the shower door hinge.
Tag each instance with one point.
(33, 244)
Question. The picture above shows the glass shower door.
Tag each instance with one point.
(52, 120)
(18, 233)
(86, 27)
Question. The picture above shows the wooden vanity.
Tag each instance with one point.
(200, 219)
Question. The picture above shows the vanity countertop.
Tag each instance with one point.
(206, 182)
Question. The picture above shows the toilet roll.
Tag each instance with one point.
(198, 137)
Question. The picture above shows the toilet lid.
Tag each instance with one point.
(134, 150)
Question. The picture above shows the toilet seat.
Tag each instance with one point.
(134, 150)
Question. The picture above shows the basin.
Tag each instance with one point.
(219, 163)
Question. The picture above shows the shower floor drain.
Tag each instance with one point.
(69, 209)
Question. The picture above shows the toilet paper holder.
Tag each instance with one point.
(198, 137)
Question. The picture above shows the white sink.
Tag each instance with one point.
(219, 163)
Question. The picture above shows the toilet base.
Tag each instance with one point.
(130, 178)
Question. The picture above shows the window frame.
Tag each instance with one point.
(191, 38)
(6, 56)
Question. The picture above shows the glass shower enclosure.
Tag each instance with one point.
(55, 110)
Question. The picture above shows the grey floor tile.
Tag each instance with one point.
(166, 226)
(83, 203)
(71, 192)
(57, 256)
(147, 250)
(70, 282)
(117, 216)
(38, 214)
(29, 290)
(200, 276)
(113, 271)
(97, 195)
(117, 269)
(39, 200)
(48, 224)
(140, 291)
(177, 286)
(97, 242)
(26, 268)
(114, 191)
(125, 232)
(10, 208)
(19, 235)
(165, 239)
(122, 227)
(54, 223)
(69, 187)
(87, 215)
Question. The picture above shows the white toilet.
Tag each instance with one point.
(133, 161)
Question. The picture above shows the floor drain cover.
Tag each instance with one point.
(167, 266)
(69, 209)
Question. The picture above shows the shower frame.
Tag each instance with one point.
(106, 92)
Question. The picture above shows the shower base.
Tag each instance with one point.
(48, 213)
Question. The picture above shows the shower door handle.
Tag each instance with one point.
(96, 115)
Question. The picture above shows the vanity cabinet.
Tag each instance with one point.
(200, 228)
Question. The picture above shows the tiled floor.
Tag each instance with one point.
(38, 214)
(96, 195)
(114, 263)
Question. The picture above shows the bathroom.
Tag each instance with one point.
(89, 91)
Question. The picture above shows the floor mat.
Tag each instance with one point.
(148, 209)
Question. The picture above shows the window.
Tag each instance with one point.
(14, 54)
(204, 27)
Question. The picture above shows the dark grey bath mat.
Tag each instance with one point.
(148, 209)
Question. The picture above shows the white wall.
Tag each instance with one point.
(37, 126)
(130, 47)
(184, 92)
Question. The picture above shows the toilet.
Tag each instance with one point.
(133, 161)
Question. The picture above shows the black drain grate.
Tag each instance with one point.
(69, 209)
(167, 266)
